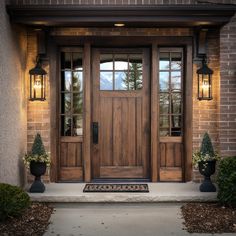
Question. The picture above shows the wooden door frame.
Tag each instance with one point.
(119, 41)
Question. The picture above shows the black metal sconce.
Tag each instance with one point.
(37, 82)
(204, 73)
(204, 82)
(38, 74)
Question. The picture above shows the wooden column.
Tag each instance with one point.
(87, 113)
(188, 133)
(53, 75)
(154, 115)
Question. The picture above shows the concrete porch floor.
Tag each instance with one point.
(158, 192)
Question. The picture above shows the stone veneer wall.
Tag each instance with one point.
(13, 109)
(218, 116)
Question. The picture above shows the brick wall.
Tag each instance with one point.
(118, 2)
(228, 89)
(38, 117)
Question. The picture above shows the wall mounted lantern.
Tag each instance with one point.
(204, 82)
(38, 74)
(37, 82)
(204, 73)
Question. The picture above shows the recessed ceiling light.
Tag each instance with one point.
(119, 24)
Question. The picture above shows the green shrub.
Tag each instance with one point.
(13, 201)
(226, 180)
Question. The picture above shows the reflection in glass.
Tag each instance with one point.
(135, 80)
(164, 62)
(106, 81)
(65, 103)
(135, 61)
(164, 122)
(164, 81)
(65, 60)
(77, 81)
(176, 121)
(77, 103)
(77, 61)
(176, 103)
(106, 62)
(164, 132)
(176, 80)
(176, 61)
(121, 81)
(164, 103)
(65, 126)
(121, 62)
(77, 125)
(65, 81)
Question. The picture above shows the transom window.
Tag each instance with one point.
(121, 71)
(71, 93)
(170, 91)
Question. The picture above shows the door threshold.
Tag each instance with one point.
(120, 180)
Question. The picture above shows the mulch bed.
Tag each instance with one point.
(209, 218)
(34, 221)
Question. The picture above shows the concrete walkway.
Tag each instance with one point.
(142, 219)
(159, 192)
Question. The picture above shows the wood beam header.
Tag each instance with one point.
(132, 16)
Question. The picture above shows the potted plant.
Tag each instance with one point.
(37, 161)
(205, 160)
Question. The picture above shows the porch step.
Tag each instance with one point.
(159, 192)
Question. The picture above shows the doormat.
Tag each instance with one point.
(115, 188)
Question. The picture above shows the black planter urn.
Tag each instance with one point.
(207, 168)
(37, 169)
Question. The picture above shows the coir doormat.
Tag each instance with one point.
(132, 188)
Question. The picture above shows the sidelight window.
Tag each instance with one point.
(71, 98)
(170, 91)
(121, 72)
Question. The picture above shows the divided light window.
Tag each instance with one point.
(121, 71)
(71, 94)
(171, 91)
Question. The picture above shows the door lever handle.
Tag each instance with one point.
(95, 132)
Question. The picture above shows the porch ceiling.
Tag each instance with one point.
(132, 16)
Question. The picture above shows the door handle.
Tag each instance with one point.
(95, 132)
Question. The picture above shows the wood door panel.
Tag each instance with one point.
(124, 126)
(121, 172)
(71, 161)
(171, 154)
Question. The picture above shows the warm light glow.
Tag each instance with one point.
(37, 84)
(119, 24)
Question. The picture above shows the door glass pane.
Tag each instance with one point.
(164, 103)
(65, 103)
(164, 63)
(121, 62)
(135, 80)
(106, 80)
(77, 103)
(65, 126)
(170, 92)
(176, 125)
(106, 62)
(65, 60)
(121, 80)
(77, 61)
(176, 61)
(176, 103)
(65, 80)
(77, 125)
(77, 81)
(135, 62)
(164, 81)
(176, 80)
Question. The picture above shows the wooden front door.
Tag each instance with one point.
(121, 114)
